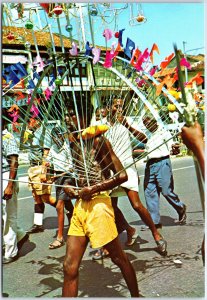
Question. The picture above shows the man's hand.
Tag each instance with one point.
(193, 136)
(8, 192)
(121, 119)
(46, 164)
(43, 179)
(72, 193)
(175, 149)
(86, 193)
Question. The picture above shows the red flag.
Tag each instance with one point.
(20, 95)
(166, 61)
(15, 126)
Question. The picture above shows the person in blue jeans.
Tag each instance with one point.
(158, 172)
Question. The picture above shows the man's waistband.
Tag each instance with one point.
(154, 160)
(59, 172)
(35, 163)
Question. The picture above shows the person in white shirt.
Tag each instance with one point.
(158, 172)
(119, 137)
(60, 158)
(13, 236)
(38, 145)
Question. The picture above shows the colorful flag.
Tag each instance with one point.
(108, 34)
(130, 46)
(154, 48)
(167, 60)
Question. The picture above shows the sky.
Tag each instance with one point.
(167, 23)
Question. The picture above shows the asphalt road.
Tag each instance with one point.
(38, 271)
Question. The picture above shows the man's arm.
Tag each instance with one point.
(193, 138)
(45, 152)
(109, 160)
(140, 136)
(13, 164)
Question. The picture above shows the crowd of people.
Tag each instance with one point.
(94, 165)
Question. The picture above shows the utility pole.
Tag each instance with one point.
(186, 70)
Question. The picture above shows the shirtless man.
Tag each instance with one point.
(93, 217)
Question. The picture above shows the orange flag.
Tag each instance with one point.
(116, 52)
(154, 48)
(169, 81)
(166, 61)
(198, 79)
(159, 88)
(13, 107)
(136, 54)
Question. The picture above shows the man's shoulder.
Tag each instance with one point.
(100, 141)
(6, 135)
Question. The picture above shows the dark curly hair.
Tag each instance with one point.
(84, 109)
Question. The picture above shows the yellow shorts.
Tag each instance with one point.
(94, 219)
(34, 175)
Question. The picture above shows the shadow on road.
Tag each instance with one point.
(165, 220)
(50, 223)
(102, 278)
(27, 248)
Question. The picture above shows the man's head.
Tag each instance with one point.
(57, 134)
(117, 106)
(5, 118)
(84, 114)
(101, 112)
(149, 122)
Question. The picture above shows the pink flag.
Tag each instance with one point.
(39, 63)
(113, 48)
(141, 59)
(14, 115)
(108, 59)
(29, 99)
(153, 70)
(74, 50)
(96, 52)
(14, 112)
(185, 63)
(108, 34)
(47, 93)
(140, 82)
(35, 111)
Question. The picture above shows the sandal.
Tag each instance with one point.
(132, 239)
(100, 254)
(162, 247)
(56, 244)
